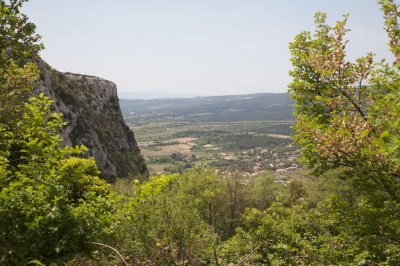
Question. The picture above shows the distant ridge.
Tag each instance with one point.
(151, 95)
(227, 108)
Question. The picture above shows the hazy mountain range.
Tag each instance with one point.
(143, 95)
(229, 108)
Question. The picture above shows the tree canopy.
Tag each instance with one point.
(55, 210)
(348, 112)
(51, 204)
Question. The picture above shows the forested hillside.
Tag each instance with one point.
(342, 207)
(250, 107)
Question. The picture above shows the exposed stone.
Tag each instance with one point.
(91, 108)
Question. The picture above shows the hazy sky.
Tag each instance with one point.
(196, 47)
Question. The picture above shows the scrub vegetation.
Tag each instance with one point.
(341, 207)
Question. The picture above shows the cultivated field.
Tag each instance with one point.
(249, 146)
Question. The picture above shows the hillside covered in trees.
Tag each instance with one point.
(341, 208)
(229, 108)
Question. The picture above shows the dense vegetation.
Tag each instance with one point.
(54, 209)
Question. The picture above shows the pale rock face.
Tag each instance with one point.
(91, 108)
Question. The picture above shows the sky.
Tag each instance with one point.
(192, 47)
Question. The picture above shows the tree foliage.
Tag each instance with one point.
(348, 112)
(51, 204)
(55, 210)
(19, 46)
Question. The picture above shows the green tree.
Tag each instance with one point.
(51, 204)
(50, 207)
(157, 228)
(348, 119)
(348, 127)
(348, 112)
(201, 189)
(19, 46)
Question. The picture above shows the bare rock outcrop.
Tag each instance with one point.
(91, 108)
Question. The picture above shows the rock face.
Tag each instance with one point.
(91, 108)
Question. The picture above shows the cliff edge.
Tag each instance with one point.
(91, 108)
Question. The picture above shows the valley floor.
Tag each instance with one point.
(248, 147)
